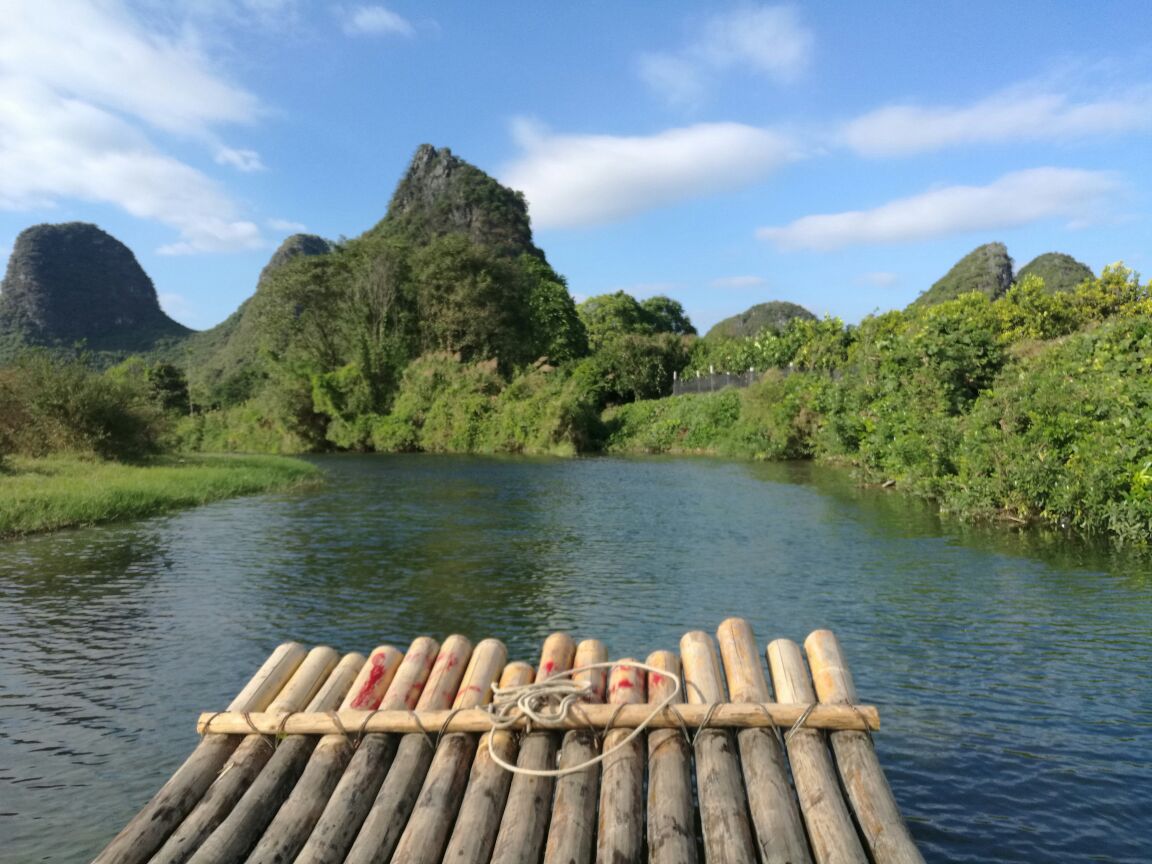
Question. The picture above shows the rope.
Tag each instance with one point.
(270, 742)
(363, 726)
(550, 701)
(340, 725)
(427, 735)
(799, 724)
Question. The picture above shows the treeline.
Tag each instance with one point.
(1030, 407)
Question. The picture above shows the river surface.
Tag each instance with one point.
(1013, 675)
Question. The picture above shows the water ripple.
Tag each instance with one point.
(1014, 685)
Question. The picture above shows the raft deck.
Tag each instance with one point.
(393, 757)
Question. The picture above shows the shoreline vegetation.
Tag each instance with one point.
(1000, 394)
(52, 493)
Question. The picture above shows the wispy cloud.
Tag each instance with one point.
(376, 21)
(770, 40)
(78, 116)
(1015, 199)
(572, 180)
(247, 161)
(1018, 114)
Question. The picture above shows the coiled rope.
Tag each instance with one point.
(551, 700)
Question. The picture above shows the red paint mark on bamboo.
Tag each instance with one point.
(367, 697)
(548, 667)
(657, 679)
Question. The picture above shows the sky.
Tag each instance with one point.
(837, 155)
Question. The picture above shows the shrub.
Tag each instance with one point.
(53, 404)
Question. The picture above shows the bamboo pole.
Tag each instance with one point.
(723, 805)
(248, 760)
(242, 826)
(525, 821)
(721, 716)
(144, 834)
(389, 812)
(830, 829)
(572, 828)
(671, 813)
(344, 813)
(620, 839)
(487, 790)
(775, 813)
(432, 818)
(871, 798)
(295, 819)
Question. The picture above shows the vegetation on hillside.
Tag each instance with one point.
(773, 316)
(986, 269)
(1034, 407)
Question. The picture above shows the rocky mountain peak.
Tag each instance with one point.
(74, 282)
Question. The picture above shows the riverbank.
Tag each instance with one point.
(61, 492)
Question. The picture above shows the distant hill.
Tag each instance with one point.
(73, 282)
(986, 269)
(774, 315)
(1060, 272)
(223, 362)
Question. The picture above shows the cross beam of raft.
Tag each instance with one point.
(750, 715)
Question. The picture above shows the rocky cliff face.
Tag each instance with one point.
(442, 194)
(74, 282)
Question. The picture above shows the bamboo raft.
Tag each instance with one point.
(393, 757)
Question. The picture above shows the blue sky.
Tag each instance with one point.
(837, 155)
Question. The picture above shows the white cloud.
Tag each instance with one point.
(1019, 114)
(572, 180)
(376, 21)
(76, 116)
(738, 282)
(770, 40)
(118, 64)
(1014, 199)
(247, 161)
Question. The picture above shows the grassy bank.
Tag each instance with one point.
(61, 492)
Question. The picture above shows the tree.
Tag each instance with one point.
(667, 316)
(556, 327)
(608, 315)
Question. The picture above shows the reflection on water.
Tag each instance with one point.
(1013, 677)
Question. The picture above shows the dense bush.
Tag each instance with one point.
(1034, 406)
(52, 404)
(1066, 436)
(444, 405)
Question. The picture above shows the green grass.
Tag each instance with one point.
(62, 492)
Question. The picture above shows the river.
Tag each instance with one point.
(1013, 674)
